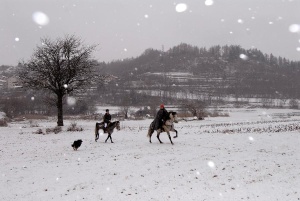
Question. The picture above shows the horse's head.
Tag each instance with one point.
(118, 125)
(173, 116)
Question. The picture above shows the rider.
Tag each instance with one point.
(106, 118)
(161, 117)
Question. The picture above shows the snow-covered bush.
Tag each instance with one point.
(293, 103)
(33, 124)
(3, 123)
(55, 130)
(39, 131)
(3, 120)
(74, 127)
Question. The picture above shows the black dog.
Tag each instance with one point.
(76, 144)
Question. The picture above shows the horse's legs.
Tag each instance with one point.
(158, 132)
(96, 132)
(109, 136)
(170, 137)
(150, 132)
(167, 130)
(176, 134)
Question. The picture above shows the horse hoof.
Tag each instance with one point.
(175, 137)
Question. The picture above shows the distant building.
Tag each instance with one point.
(2, 83)
(12, 83)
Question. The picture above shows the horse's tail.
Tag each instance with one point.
(150, 130)
(96, 129)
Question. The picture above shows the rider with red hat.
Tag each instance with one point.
(161, 117)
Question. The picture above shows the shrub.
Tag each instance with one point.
(33, 124)
(293, 103)
(56, 129)
(3, 123)
(74, 127)
(39, 131)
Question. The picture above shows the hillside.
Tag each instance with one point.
(214, 72)
(182, 75)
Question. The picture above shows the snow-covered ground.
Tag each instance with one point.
(210, 160)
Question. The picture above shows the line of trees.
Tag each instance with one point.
(64, 67)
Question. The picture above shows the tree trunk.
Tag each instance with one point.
(60, 121)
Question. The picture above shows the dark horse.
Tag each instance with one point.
(167, 127)
(109, 129)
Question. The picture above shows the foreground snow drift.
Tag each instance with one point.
(200, 165)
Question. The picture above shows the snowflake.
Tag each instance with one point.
(211, 164)
(209, 2)
(294, 28)
(40, 18)
(181, 7)
(243, 56)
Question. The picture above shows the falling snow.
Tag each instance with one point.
(40, 18)
(211, 164)
(243, 56)
(240, 21)
(71, 101)
(181, 7)
(209, 2)
(294, 28)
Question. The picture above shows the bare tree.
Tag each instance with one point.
(125, 105)
(196, 107)
(60, 67)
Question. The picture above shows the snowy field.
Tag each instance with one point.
(222, 158)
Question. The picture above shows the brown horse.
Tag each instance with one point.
(167, 127)
(109, 129)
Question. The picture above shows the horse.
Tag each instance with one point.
(109, 129)
(168, 126)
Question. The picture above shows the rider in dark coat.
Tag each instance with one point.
(106, 118)
(161, 117)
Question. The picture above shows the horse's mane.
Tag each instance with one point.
(171, 112)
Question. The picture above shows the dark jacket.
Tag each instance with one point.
(161, 116)
(106, 118)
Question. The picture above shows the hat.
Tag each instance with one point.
(161, 106)
(107, 110)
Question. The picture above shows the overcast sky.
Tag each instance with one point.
(125, 28)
